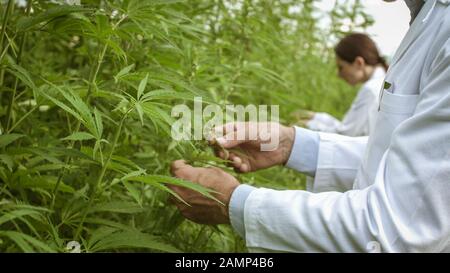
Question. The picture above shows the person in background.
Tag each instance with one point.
(359, 62)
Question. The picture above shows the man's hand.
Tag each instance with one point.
(245, 152)
(204, 210)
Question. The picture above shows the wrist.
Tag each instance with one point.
(286, 143)
(237, 208)
(226, 207)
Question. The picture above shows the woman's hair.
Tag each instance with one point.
(359, 45)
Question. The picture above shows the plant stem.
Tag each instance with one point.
(100, 176)
(92, 79)
(8, 45)
(93, 76)
(2, 37)
(61, 174)
(5, 22)
(2, 76)
(22, 119)
(16, 83)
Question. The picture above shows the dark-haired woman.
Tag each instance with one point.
(359, 62)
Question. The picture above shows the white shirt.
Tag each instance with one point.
(391, 191)
(361, 116)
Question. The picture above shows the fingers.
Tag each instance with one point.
(242, 168)
(177, 164)
(231, 140)
(236, 160)
(239, 164)
(181, 169)
(231, 134)
(222, 153)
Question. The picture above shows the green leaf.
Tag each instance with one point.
(158, 116)
(108, 223)
(123, 72)
(133, 191)
(7, 160)
(133, 174)
(164, 188)
(44, 153)
(140, 112)
(116, 49)
(98, 122)
(82, 112)
(126, 161)
(8, 139)
(63, 106)
(49, 167)
(98, 148)
(167, 94)
(82, 108)
(118, 207)
(131, 239)
(27, 243)
(142, 86)
(19, 239)
(79, 136)
(99, 234)
(11, 215)
(51, 13)
(45, 183)
(21, 74)
(158, 180)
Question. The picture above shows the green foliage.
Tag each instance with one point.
(86, 94)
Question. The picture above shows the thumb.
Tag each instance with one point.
(178, 165)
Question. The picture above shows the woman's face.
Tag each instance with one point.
(352, 73)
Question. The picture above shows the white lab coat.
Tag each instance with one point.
(360, 118)
(392, 192)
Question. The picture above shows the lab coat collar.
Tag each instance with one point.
(416, 28)
(414, 7)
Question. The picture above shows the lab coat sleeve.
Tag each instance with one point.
(331, 159)
(406, 209)
(304, 152)
(236, 207)
(338, 161)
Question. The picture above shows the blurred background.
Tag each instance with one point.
(390, 22)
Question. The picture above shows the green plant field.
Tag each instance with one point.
(86, 97)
